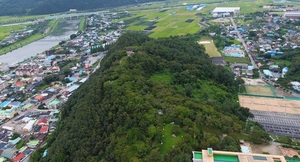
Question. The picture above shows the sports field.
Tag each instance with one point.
(270, 104)
(237, 59)
(259, 90)
(210, 47)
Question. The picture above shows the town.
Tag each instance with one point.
(258, 47)
(33, 91)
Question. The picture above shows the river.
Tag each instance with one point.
(34, 48)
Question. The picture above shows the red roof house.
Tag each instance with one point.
(39, 97)
(19, 84)
(18, 157)
(44, 129)
(42, 122)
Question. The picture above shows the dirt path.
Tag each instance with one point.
(271, 148)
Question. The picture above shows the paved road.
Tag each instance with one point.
(243, 42)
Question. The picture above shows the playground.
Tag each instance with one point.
(265, 90)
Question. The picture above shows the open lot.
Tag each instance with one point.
(210, 47)
(259, 90)
(270, 104)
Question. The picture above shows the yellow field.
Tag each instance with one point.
(210, 47)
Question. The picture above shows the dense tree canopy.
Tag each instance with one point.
(17, 7)
(158, 104)
(293, 73)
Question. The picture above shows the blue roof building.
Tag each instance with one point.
(4, 104)
(268, 73)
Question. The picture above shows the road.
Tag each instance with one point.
(58, 16)
(243, 42)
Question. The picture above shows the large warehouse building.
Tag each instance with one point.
(292, 15)
(225, 11)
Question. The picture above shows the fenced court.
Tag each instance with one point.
(263, 90)
(270, 104)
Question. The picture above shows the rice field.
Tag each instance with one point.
(6, 30)
(168, 23)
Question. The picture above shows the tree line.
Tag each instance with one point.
(37, 7)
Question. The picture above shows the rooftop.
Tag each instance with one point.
(224, 156)
(226, 9)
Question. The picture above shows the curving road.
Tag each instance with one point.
(243, 42)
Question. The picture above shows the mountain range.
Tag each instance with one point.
(34, 7)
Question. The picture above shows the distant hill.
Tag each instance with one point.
(23, 7)
(158, 104)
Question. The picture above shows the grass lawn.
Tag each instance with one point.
(259, 90)
(167, 24)
(168, 140)
(237, 59)
(282, 62)
(161, 78)
(6, 30)
(21, 43)
(236, 42)
(210, 48)
(82, 24)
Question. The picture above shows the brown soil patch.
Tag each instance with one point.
(270, 104)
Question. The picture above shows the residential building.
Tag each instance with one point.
(211, 155)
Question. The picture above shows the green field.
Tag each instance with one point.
(210, 48)
(16, 19)
(32, 38)
(6, 30)
(168, 24)
(259, 90)
(82, 24)
(237, 59)
(168, 140)
(161, 78)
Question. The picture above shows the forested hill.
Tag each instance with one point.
(158, 104)
(21, 7)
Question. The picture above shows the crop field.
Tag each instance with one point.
(168, 23)
(51, 25)
(270, 104)
(171, 21)
(259, 90)
(237, 59)
(210, 47)
(6, 30)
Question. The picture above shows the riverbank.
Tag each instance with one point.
(51, 25)
(39, 46)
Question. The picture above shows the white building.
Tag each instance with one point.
(225, 11)
(28, 126)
